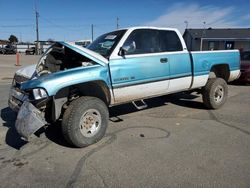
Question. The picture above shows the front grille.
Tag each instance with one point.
(20, 79)
(18, 102)
(16, 98)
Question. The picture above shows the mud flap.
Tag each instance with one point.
(29, 120)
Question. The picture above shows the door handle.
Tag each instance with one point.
(164, 60)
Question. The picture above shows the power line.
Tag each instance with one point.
(52, 23)
(14, 26)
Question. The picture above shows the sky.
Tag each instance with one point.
(71, 20)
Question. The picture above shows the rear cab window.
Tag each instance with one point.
(169, 41)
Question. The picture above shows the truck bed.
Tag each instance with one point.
(204, 61)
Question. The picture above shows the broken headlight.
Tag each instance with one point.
(39, 93)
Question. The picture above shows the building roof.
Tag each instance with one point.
(4, 41)
(237, 33)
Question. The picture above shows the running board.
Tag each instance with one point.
(141, 106)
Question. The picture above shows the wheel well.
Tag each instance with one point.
(95, 89)
(220, 71)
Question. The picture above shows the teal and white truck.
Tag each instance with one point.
(77, 85)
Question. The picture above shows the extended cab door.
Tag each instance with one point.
(180, 65)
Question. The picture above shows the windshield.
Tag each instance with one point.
(105, 44)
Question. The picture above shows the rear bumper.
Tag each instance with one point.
(234, 75)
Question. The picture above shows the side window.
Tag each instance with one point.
(142, 41)
(170, 41)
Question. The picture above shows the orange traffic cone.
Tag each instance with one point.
(17, 59)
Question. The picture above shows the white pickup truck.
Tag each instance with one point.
(127, 65)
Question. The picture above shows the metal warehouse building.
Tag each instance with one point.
(217, 39)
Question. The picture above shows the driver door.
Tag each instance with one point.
(143, 71)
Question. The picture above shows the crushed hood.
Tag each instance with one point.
(27, 71)
(87, 53)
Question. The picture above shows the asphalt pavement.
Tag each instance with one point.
(175, 142)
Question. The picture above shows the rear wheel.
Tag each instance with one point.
(215, 92)
(85, 121)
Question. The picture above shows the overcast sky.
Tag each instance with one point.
(71, 20)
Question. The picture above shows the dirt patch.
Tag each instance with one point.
(6, 78)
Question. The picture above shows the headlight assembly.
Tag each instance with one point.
(39, 93)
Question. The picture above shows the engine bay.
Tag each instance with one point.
(59, 58)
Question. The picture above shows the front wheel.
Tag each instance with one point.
(214, 93)
(85, 121)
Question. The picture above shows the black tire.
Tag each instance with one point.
(214, 93)
(76, 119)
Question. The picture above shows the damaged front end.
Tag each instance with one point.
(29, 120)
(32, 92)
(31, 113)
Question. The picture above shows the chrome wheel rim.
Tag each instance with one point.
(218, 94)
(90, 122)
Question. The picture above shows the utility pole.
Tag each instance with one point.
(186, 23)
(204, 25)
(92, 32)
(203, 35)
(37, 31)
(20, 37)
(117, 23)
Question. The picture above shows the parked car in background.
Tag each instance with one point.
(30, 51)
(245, 66)
(8, 49)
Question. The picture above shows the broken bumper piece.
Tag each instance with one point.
(29, 120)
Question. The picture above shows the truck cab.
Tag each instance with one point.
(150, 62)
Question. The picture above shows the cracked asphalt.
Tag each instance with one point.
(175, 142)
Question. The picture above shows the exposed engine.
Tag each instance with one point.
(59, 58)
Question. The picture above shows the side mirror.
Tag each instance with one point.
(122, 52)
(131, 47)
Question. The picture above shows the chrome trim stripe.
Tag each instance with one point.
(151, 81)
